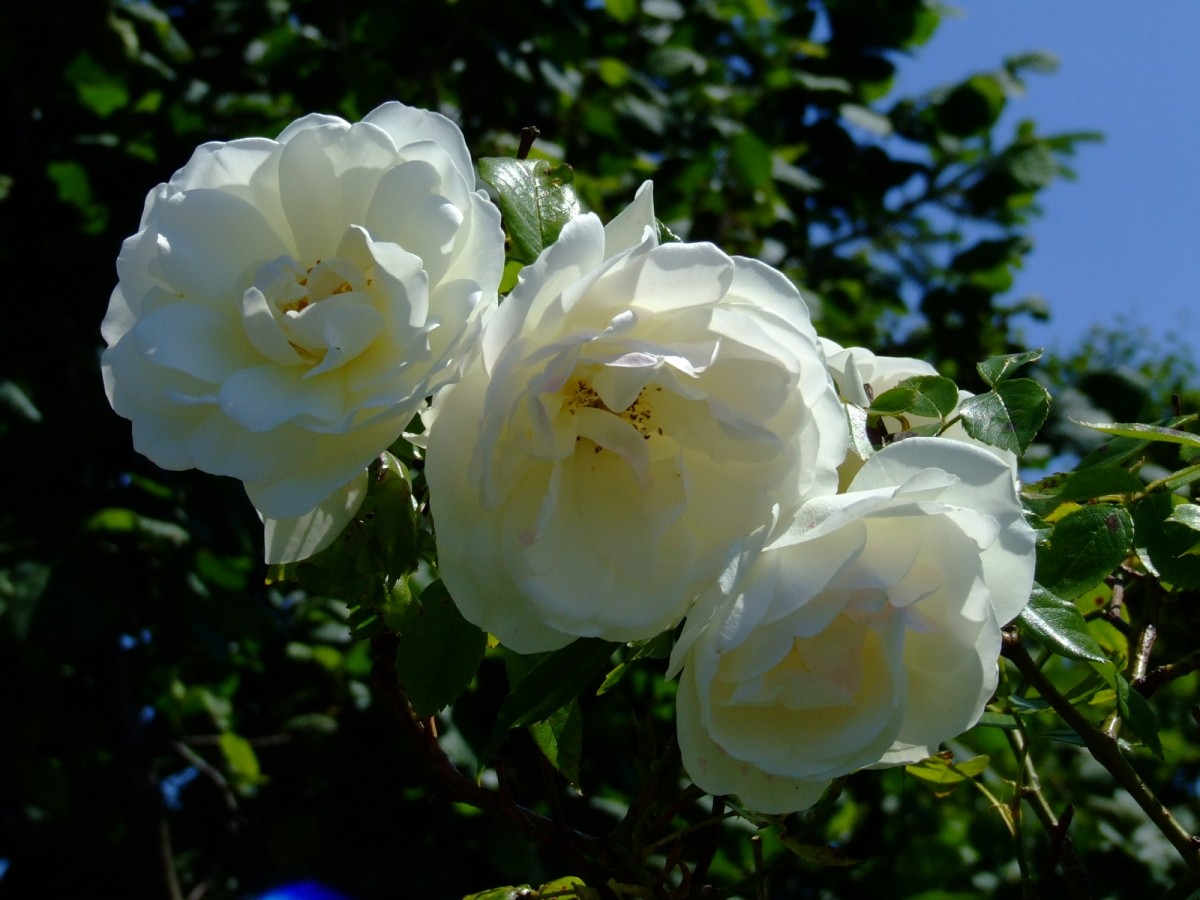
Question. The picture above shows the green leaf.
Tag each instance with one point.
(1057, 625)
(972, 107)
(552, 682)
(1186, 514)
(241, 760)
(560, 738)
(997, 368)
(999, 720)
(750, 160)
(567, 888)
(1134, 710)
(1085, 546)
(1008, 416)
(438, 653)
(99, 90)
(512, 892)
(1113, 453)
(929, 396)
(116, 519)
(535, 199)
(818, 854)
(1163, 543)
(621, 10)
(1146, 432)
(865, 118)
(943, 776)
(1080, 486)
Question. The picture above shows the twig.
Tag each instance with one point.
(708, 850)
(1059, 840)
(1106, 752)
(231, 805)
(1112, 612)
(1154, 679)
(529, 134)
(1062, 848)
(760, 883)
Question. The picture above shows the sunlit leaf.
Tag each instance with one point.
(241, 760)
(1058, 625)
(1146, 432)
(928, 396)
(1163, 542)
(1083, 549)
(1008, 416)
(997, 368)
(943, 776)
(1186, 514)
(535, 199)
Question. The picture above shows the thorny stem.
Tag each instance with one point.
(1106, 752)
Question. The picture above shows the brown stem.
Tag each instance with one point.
(708, 849)
(1062, 847)
(1141, 653)
(529, 134)
(1112, 612)
(1107, 752)
(231, 806)
(1154, 679)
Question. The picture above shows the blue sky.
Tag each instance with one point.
(1121, 245)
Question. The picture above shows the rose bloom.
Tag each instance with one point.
(861, 375)
(287, 305)
(636, 410)
(865, 635)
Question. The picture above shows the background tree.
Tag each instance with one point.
(176, 727)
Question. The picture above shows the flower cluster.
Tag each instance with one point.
(643, 435)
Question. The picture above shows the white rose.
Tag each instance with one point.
(287, 304)
(866, 634)
(861, 375)
(636, 410)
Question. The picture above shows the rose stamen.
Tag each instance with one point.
(640, 414)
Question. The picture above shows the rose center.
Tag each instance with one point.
(580, 394)
(298, 297)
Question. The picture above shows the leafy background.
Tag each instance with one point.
(175, 726)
